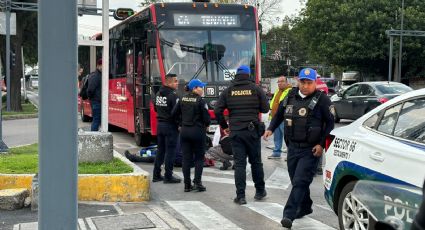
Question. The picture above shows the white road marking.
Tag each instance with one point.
(202, 216)
(324, 207)
(125, 146)
(279, 179)
(81, 224)
(274, 212)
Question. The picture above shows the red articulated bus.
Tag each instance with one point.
(207, 41)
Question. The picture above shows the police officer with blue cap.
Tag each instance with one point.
(245, 101)
(194, 119)
(308, 118)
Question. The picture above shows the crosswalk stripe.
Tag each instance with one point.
(202, 216)
(81, 224)
(279, 179)
(274, 211)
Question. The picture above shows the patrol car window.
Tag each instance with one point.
(371, 122)
(365, 90)
(351, 92)
(389, 119)
(411, 122)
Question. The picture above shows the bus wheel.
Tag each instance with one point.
(143, 139)
(84, 118)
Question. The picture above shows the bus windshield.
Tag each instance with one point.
(209, 55)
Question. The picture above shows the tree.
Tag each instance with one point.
(282, 44)
(26, 36)
(351, 34)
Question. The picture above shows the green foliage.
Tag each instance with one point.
(24, 160)
(351, 34)
(114, 167)
(27, 108)
(282, 43)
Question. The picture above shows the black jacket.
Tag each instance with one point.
(164, 102)
(94, 90)
(244, 100)
(192, 112)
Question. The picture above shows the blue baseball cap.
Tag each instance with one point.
(196, 83)
(243, 69)
(308, 74)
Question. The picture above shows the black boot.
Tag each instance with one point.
(226, 165)
(199, 187)
(188, 187)
(157, 178)
(259, 195)
(172, 180)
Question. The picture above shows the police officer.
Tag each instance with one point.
(165, 100)
(308, 118)
(194, 120)
(244, 101)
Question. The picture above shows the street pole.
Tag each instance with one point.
(8, 8)
(23, 73)
(58, 161)
(105, 64)
(3, 146)
(400, 56)
(390, 65)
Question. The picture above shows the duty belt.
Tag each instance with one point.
(300, 144)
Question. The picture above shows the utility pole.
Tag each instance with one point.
(400, 56)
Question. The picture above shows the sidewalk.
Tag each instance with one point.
(103, 216)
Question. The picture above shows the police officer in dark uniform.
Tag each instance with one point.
(308, 118)
(165, 100)
(194, 120)
(244, 101)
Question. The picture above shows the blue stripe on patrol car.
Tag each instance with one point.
(345, 168)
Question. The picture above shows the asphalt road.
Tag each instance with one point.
(216, 202)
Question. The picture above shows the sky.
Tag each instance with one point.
(90, 25)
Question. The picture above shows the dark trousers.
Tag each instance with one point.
(302, 165)
(193, 148)
(96, 110)
(245, 144)
(167, 140)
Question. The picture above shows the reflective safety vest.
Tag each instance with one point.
(282, 96)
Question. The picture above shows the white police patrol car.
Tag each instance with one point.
(387, 144)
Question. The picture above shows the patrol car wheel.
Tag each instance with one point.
(84, 118)
(351, 214)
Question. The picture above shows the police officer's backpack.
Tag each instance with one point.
(83, 90)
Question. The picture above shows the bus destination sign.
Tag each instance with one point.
(209, 20)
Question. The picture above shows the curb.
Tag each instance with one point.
(129, 187)
(19, 116)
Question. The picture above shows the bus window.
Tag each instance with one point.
(239, 50)
(183, 54)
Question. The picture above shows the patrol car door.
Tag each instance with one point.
(393, 147)
(345, 107)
